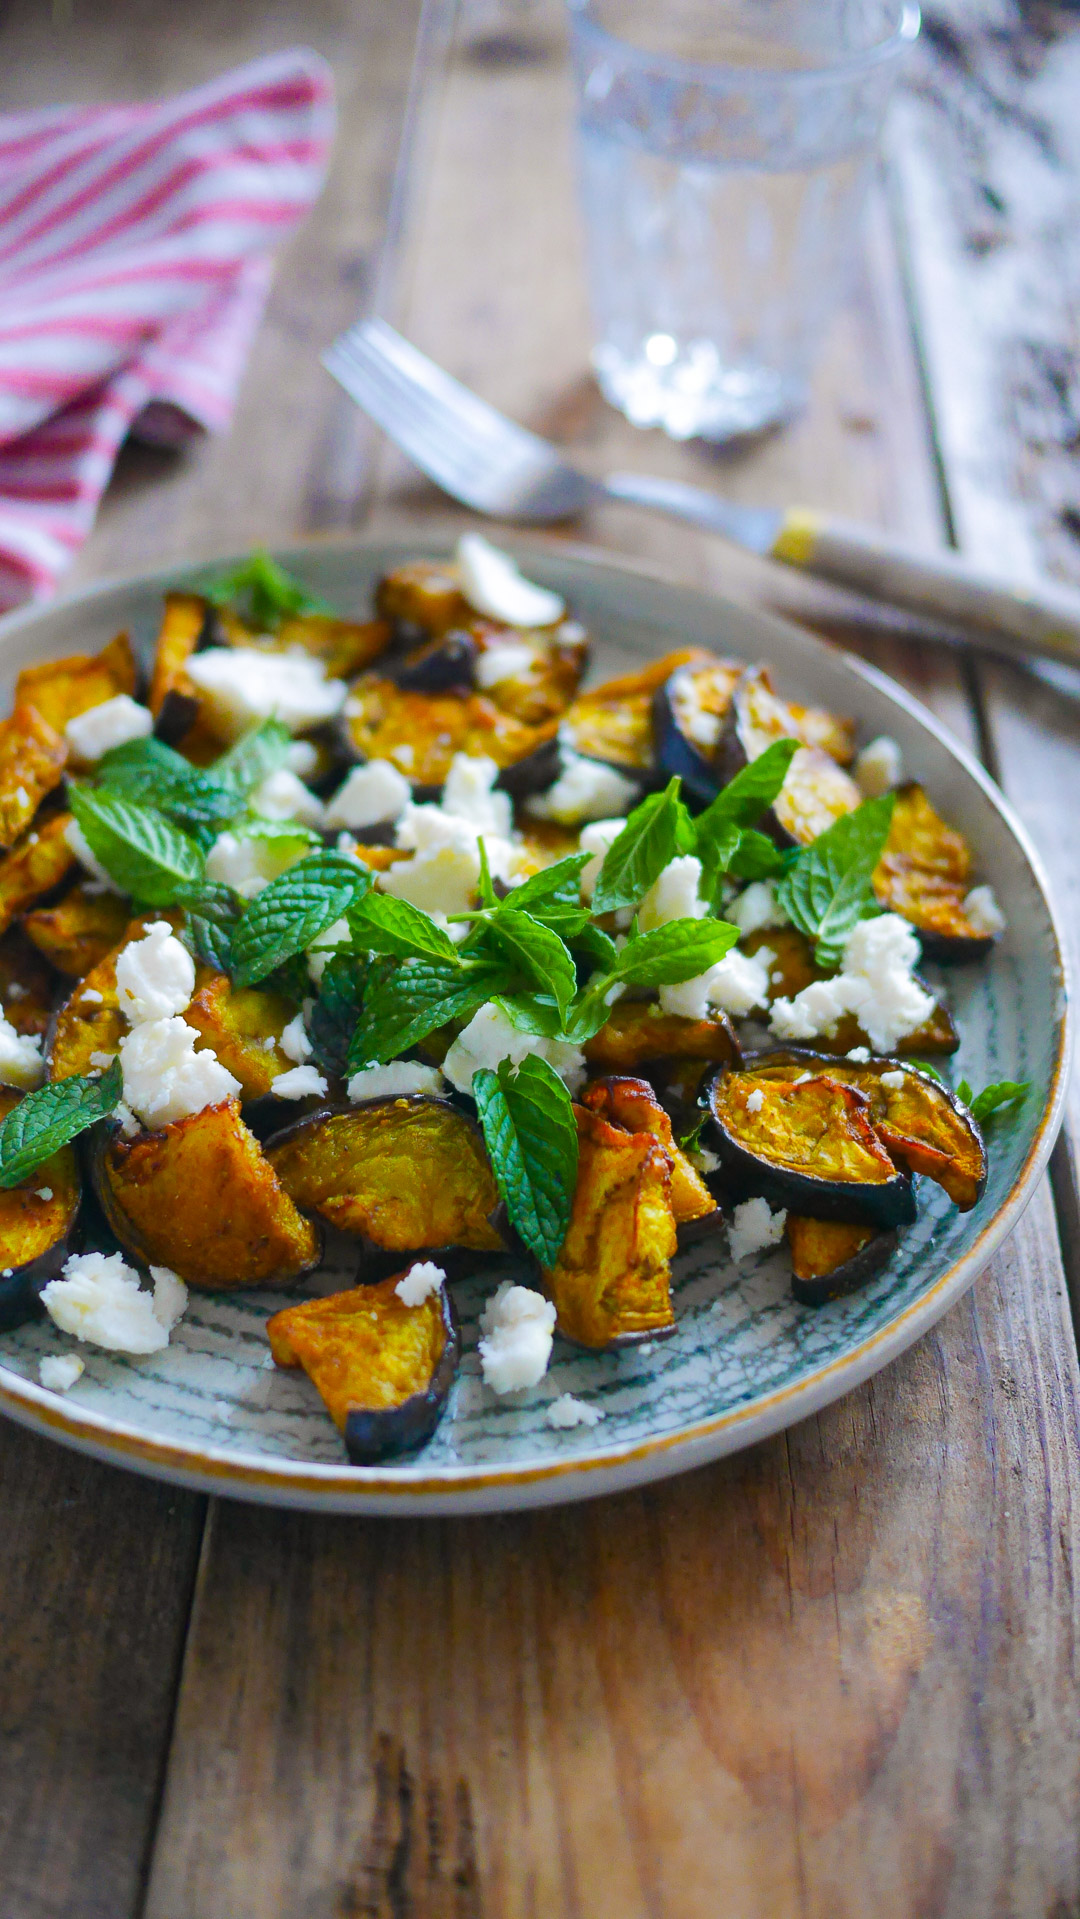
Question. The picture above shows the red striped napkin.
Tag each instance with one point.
(134, 265)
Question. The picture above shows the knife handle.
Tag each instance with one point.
(1043, 619)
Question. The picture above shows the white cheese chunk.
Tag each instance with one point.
(879, 767)
(753, 1227)
(247, 863)
(165, 1079)
(155, 976)
(372, 795)
(113, 723)
(736, 984)
(755, 1100)
(893, 1080)
(566, 1411)
(21, 1063)
(493, 584)
(295, 1043)
(597, 838)
(243, 685)
(99, 1300)
(469, 794)
(80, 846)
(399, 1080)
(490, 1037)
(585, 790)
(503, 660)
(754, 908)
(674, 896)
(984, 912)
(517, 1327)
(422, 1279)
(299, 1083)
(170, 1296)
(876, 983)
(302, 758)
(442, 881)
(282, 796)
(705, 1160)
(59, 1371)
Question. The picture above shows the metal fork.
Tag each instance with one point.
(497, 467)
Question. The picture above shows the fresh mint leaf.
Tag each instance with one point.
(488, 896)
(1003, 1092)
(139, 848)
(332, 1020)
(379, 923)
(557, 886)
(149, 773)
(247, 764)
(829, 887)
(752, 791)
(535, 951)
(690, 1141)
(647, 843)
(292, 911)
(212, 912)
(923, 1066)
(534, 1013)
(678, 951)
(262, 592)
(532, 1141)
(595, 945)
(418, 997)
(756, 857)
(278, 832)
(45, 1121)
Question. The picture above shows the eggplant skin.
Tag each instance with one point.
(676, 750)
(382, 1369)
(638, 1032)
(830, 1259)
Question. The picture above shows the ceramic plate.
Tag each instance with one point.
(213, 1412)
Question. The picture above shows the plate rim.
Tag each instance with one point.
(415, 1491)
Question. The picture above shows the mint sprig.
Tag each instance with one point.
(1002, 1092)
(244, 767)
(531, 1137)
(418, 997)
(292, 911)
(648, 842)
(45, 1121)
(263, 593)
(139, 848)
(829, 887)
(379, 923)
(664, 957)
(149, 773)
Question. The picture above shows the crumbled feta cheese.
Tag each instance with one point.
(674, 896)
(422, 1279)
(566, 1411)
(736, 984)
(22, 796)
(16, 990)
(321, 951)
(860, 1054)
(91, 997)
(753, 1227)
(243, 686)
(517, 1326)
(165, 1079)
(984, 912)
(59, 1371)
(490, 1037)
(372, 795)
(493, 584)
(879, 767)
(440, 880)
(44, 1192)
(113, 723)
(705, 1160)
(247, 863)
(756, 907)
(399, 1080)
(80, 846)
(21, 1064)
(155, 976)
(282, 796)
(469, 794)
(295, 1043)
(693, 720)
(893, 1080)
(502, 660)
(99, 1299)
(101, 1060)
(597, 838)
(170, 1296)
(585, 790)
(876, 983)
(298, 1083)
(302, 758)
(755, 1100)
(445, 871)
(129, 1125)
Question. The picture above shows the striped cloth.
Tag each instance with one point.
(134, 266)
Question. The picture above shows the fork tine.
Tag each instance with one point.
(466, 408)
(420, 429)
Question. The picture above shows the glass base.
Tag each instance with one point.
(691, 393)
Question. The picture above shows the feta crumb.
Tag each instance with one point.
(445, 871)
(674, 896)
(44, 1192)
(692, 718)
(282, 796)
(99, 1299)
(704, 1159)
(422, 1279)
(860, 1054)
(879, 767)
(91, 997)
(129, 1125)
(518, 1326)
(112, 723)
(490, 1037)
(566, 1411)
(243, 686)
(298, 1083)
(502, 660)
(59, 1371)
(736, 984)
(155, 976)
(755, 908)
(894, 1081)
(372, 795)
(755, 1100)
(493, 583)
(165, 1079)
(21, 1063)
(597, 838)
(399, 1080)
(984, 912)
(247, 862)
(295, 1043)
(80, 846)
(170, 1296)
(876, 984)
(302, 758)
(469, 794)
(102, 1060)
(16, 990)
(753, 1227)
(585, 790)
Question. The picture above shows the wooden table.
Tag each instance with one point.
(836, 1675)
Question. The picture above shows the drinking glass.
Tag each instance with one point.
(724, 147)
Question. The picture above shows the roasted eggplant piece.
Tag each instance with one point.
(925, 875)
(543, 689)
(817, 791)
(614, 722)
(422, 596)
(77, 933)
(35, 867)
(62, 689)
(406, 1175)
(543, 843)
(689, 711)
(611, 1284)
(806, 1143)
(792, 968)
(830, 1259)
(37, 1219)
(32, 760)
(27, 985)
(538, 770)
(420, 733)
(382, 1369)
(442, 665)
(201, 1196)
(90, 1020)
(345, 647)
(173, 700)
(638, 1031)
(632, 1104)
(243, 1026)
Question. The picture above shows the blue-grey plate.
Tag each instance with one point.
(212, 1411)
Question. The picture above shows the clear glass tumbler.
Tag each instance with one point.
(725, 148)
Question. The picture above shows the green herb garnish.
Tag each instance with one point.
(263, 593)
(1003, 1092)
(139, 848)
(292, 911)
(531, 1137)
(45, 1121)
(830, 886)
